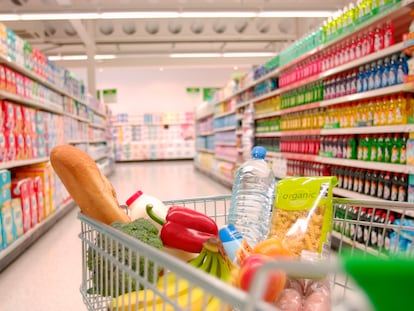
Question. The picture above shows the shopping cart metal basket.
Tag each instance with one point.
(360, 228)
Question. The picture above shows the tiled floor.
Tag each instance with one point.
(48, 275)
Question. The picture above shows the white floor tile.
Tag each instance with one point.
(48, 275)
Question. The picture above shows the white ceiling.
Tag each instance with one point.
(148, 42)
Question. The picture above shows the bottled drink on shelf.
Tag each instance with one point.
(252, 197)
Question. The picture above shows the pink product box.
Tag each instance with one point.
(9, 116)
(3, 150)
(20, 146)
(10, 146)
(34, 209)
(20, 88)
(27, 82)
(18, 116)
(20, 190)
(38, 189)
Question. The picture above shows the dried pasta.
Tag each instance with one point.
(302, 215)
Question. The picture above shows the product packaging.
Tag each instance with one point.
(303, 213)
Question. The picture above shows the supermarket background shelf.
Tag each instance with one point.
(267, 115)
(17, 163)
(205, 150)
(227, 159)
(28, 73)
(31, 102)
(224, 129)
(223, 114)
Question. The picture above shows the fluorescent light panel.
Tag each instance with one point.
(172, 55)
(163, 14)
(78, 57)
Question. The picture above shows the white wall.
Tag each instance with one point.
(143, 90)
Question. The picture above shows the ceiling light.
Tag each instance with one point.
(194, 55)
(138, 15)
(55, 16)
(218, 14)
(78, 57)
(292, 14)
(253, 54)
(163, 14)
(228, 55)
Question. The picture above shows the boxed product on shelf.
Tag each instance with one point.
(45, 172)
(3, 40)
(40, 202)
(10, 146)
(1, 233)
(3, 150)
(20, 189)
(17, 217)
(5, 185)
(8, 224)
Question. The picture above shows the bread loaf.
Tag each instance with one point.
(89, 188)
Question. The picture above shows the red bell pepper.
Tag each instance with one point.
(184, 229)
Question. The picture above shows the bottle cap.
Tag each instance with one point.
(259, 152)
(133, 197)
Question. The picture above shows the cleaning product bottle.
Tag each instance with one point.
(389, 35)
(252, 198)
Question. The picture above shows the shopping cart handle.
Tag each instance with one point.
(386, 281)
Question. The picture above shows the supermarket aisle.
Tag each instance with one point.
(47, 277)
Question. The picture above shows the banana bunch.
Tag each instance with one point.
(213, 260)
(177, 290)
(173, 291)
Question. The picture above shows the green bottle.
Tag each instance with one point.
(374, 148)
(396, 149)
(381, 148)
(351, 148)
(388, 148)
(403, 153)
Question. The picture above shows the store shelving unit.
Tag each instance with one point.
(245, 95)
(57, 104)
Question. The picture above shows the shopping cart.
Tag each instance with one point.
(351, 216)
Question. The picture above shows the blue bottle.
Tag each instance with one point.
(360, 81)
(379, 73)
(252, 198)
(371, 78)
(402, 68)
(392, 77)
(386, 72)
(367, 77)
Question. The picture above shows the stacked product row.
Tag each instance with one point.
(19, 51)
(367, 231)
(28, 196)
(27, 133)
(153, 136)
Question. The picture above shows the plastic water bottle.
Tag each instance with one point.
(252, 198)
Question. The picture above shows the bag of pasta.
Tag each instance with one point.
(302, 214)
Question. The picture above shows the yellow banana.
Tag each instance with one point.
(168, 284)
(215, 304)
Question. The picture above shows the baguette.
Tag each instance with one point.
(89, 188)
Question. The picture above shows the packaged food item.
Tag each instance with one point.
(302, 214)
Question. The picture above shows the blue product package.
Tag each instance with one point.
(231, 239)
